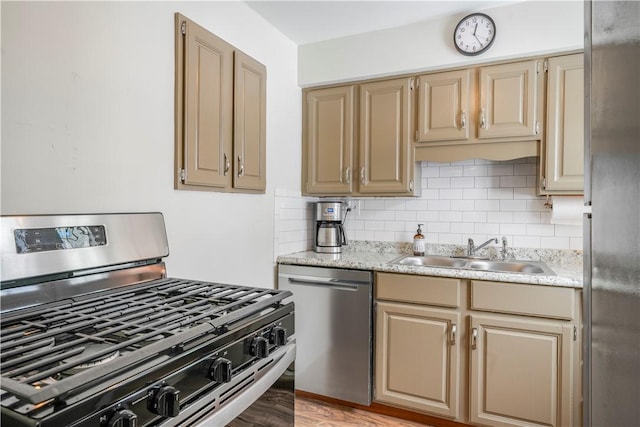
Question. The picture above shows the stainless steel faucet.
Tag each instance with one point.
(472, 248)
(504, 251)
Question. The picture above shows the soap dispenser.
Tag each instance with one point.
(418, 242)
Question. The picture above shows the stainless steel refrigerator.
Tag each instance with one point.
(612, 230)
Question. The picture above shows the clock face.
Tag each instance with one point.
(474, 34)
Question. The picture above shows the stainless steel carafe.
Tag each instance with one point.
(329, 230)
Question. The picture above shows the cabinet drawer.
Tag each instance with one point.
(418, 289)
(528, 300)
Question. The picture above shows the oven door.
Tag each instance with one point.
(268, 401)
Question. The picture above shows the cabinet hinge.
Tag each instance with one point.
(411, 84)
(410, 185)
(183, 28)
(575, 333)
(183, 175)
(544, 183)
(417, 135)
(546, 65)
(537, 127)
(538, 67)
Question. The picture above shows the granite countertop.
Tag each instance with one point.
(568, 269)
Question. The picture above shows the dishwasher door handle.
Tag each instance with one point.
(326, 283)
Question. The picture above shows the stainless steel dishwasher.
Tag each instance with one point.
(333, 322)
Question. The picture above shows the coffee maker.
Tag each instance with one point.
(329, 233)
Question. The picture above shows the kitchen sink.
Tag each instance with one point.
(519, 267)
(430, 261)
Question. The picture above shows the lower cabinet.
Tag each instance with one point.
(521, 372)
(484, 353)
(417, 359)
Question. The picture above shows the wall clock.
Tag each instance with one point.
(474, 34)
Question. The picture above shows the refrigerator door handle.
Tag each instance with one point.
(586, 328)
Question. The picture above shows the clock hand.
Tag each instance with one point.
(475, 29)
(478, 40)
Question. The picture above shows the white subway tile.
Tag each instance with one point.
(536, 205)
(370, 204)
(437, 227)
(513, 229)
(500, 170)
(532, 181)
(524, 169)
(500, 193)
(426, 216)
(513, 181)
(384, 215)
(487, 205)
(394, 204)
(513, 205)
(373, 225)
(470, 162)
(475, 170)
(500, 217)
(364, 235)
(430, 194)
(487, 182)
(450, 216)
(568, 231)
(526, 217)
(384, 236)
(394, 226)
(463, 227)
(449, 171)
(451, 194)
(526, 242)
(439, 182)
(475, 193)
(463, 182)
(555, 242)
(576, 243)
(462, 205)
(431, 172)
(474, 216)
(486, 228)
(405, 216)
(416, 204)
(439, 205)
(540, 230)
(525, 193)
(450, 238)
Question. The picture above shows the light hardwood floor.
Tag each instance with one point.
(314, 413)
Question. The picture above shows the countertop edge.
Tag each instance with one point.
(567, 276)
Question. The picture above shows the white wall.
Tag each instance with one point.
(523, 29)
(87, 125)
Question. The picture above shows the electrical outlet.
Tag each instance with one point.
(355, 206)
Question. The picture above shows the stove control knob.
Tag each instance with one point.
(278, 336)
(260, 347)
(123, 418)
(164, 401)
(220, 370)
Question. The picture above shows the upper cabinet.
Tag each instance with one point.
(510, 100)
(220, 114)
(444, 106)
(562, 158)
(357, 139)
(329, 135)
(490, 112)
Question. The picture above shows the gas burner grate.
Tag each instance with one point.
(79, 340)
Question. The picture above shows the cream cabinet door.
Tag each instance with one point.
(443, 106)
(329, 141)
(208, 108)
(510, 96)
(250, 123)
(386, 149)
(417, 357)
(564, 154)
(521, 372)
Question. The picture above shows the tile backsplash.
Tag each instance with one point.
(476, 199)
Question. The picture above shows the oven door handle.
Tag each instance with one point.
(242, 401)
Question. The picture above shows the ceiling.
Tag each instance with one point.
(313, 21)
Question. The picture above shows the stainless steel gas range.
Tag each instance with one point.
(95, 334)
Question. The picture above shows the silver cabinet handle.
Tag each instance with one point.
(362, 175)
(227, 163)
(474, 338)
(240, 166)
(454, 329)
(463, 120)
(483, 119)
(347, 175)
